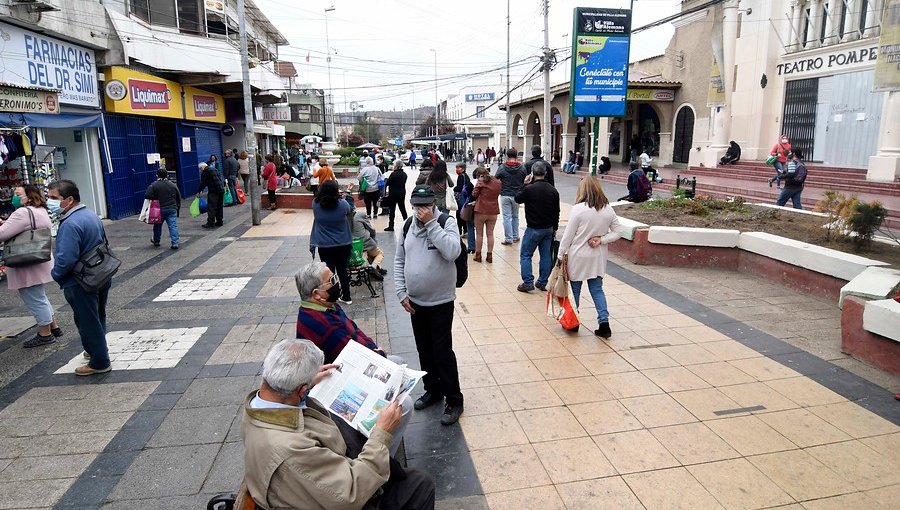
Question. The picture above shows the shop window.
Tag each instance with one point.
(140, 9)
(189, 16)
(183, 14)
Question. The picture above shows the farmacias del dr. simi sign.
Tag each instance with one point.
(36, 60)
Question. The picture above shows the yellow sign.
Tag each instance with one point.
(887, 67)
(650, 95)
(137, 93)
(203, 106)
(22, 100)
(715, 96)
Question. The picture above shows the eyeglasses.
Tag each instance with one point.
(333, 280)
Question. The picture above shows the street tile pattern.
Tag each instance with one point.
(144, 349)
(204, 288)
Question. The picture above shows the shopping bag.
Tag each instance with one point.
(560, 300)
(154, 216)
(204, 206)
(450, 201)
(771, 160)
(241, 197)
(228, 200)
(356, 253)
(145, 210)
(195, 208)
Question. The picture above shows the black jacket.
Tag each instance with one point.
(230, 168)
(209, 179)
(164, 191)
(396, 184)
(541, 204)
(549, 177)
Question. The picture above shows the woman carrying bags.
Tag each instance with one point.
(487, 208)
(29, 280)
(592, 225)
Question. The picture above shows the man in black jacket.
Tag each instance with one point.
(215, 193)
(535, 157)
(541, 223)
(512, 175)
(230, 168)
(166, 193)
(395, 193)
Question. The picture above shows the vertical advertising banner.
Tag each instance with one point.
(600, 46)
(887, 67)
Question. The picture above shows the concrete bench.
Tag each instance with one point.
(845, 266)
(689, 236)
(873, 283)
(629, 226)
(882, 318)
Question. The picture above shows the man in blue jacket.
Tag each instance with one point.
(80, 230)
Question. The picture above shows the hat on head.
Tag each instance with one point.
(422, 195)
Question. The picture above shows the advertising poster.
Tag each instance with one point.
(887, 67)
(600, 48)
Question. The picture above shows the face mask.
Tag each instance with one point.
(54, 206)
(334, 292)
(16, 201)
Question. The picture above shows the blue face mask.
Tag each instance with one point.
(54, 206)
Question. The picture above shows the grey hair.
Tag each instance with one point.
(539, 168)
(309, 278)
(369, 161)
(290, 364)
(202, 166)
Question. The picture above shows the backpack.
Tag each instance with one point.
(462, 261)
(644, 188)
(798, 177)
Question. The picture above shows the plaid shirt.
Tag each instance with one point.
(330, 329)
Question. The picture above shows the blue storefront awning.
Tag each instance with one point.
(61, 120)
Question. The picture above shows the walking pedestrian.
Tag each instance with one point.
(331, 234)
(244, 168)
(370, 174)
(487, 208)
(80, 230)
(425, 277)
(541, 223)
(166, 193)
(794, 177)
(463, 194)
(479, 157)
(31, 211)
(440, 182)
(412, 159)
(396, 193)
(230, 168)
(535, 157)
(592, 226)
(215, 194)
(780, 151)
(512, 176)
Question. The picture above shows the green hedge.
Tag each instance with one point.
(351, 160)
(343, 152)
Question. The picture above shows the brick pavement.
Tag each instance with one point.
(703, 397)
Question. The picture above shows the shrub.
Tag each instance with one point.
(343, 151)
(351, 160)
(864, 219)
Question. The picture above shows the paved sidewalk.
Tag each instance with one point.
(700, 399)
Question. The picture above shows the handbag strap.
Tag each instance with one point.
(31, 217)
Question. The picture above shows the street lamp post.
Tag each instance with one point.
(437, 114)
(328, 61)
(249, 136)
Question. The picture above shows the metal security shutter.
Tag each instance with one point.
(799, 124)
(209, 141)
(684, 135)
(130, 140)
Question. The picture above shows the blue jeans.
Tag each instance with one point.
(36, 302)
(89, 310)
(792, 194)
(595, 287)
(510, 210)
(540, 239)
(470, 233)
(170, 216)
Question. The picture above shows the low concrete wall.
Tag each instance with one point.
(689, 236)
(797, 277)
(874, 349)
(882, 317)
(290, 200)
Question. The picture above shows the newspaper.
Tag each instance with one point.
(363, 384)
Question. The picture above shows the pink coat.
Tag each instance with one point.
(18, 222)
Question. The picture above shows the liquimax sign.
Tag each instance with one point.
(136, 93)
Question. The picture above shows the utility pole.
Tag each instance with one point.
(508, 127)
(328, 60)
(546, 126)
(249, 137)
(437, 105)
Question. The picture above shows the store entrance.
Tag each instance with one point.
(166, 140)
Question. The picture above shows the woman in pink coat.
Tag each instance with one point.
(30, 280)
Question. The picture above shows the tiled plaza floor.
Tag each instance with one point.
(705, 396)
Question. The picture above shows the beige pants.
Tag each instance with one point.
(484, 228)
(375, 256)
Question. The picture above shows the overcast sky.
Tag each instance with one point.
(385, 44)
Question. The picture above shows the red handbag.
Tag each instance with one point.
(241, 197)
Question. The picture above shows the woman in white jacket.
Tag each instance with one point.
(592, 225)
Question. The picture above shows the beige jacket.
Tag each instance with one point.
(297, 460)
(586, 222)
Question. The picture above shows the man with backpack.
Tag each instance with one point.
(427, 271)
(794, 177)
(639, 187)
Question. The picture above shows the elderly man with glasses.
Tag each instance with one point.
(295, 456)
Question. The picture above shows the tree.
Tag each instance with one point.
(368, 130)
(426, 128)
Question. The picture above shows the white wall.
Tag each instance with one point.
(82, 164)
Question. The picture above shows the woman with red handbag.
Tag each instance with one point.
(592, 225)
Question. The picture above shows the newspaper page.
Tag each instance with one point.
(363, 384)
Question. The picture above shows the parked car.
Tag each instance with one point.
(419, 156)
